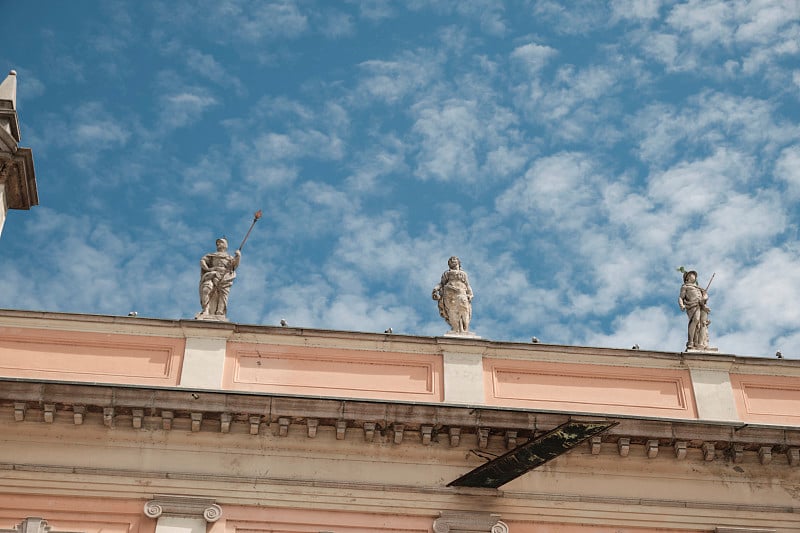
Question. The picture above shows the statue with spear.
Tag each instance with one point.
(217, 272)
(694, 300)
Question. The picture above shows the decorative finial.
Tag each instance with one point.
(12, 72)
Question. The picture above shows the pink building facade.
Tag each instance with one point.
(180, 426)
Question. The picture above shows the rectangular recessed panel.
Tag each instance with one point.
(84, 356)
(590, 388)
(769, 399)
(252, 519)
(339, 372)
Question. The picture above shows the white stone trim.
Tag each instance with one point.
(203, 362)
(713, 394)
(463, 378)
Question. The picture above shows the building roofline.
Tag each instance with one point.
(183, 327)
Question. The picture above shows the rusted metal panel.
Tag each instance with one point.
(530, 455)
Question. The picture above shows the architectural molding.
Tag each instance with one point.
(183, 506)
(742, 530)
(397, 500)
(120, 407)
(32, 524)
(465, 522)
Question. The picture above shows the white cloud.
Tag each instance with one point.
(692, 188)
(763, 20)
(760, 300)
(30, 87)
(207, 66)
(375, 9)
(100, 133)
(787, 168)
(182, 107)
(390, 81)
(87, 132)
(740, 226)
(651, 328)
(259, 21)
(757, 34)
(704, 22)
(375, 162)
(576, 104)
(335, 24)
(703, 121)
(576, 18)
(208, 175)
(449, 135)
(488, 13)
(635, 9)
(265, 176)
(461, 139)
(557, 192)
(533, 56)
(664, 47)
(87, 265)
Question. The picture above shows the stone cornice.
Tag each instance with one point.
(134, 408)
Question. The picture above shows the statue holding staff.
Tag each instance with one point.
(694, 300)
(217, 272)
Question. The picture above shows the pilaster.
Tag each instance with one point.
(203, 362)
(182, 514)
(32, 524)
(463, 378)
(714, 394)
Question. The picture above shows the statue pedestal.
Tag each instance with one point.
(463, 335)
(211, 318)
(707, 349)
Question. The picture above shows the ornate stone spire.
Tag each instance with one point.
(8, 89)
(8, 107)
(17, 177)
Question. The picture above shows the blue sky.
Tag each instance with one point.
(573, 155)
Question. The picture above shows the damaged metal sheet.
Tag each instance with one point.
(535, 452)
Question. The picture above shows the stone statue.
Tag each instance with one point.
(455, 297)
(217, 272)
(693, 299)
